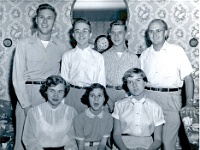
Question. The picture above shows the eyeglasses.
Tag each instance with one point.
(84, 31)
(158, 31)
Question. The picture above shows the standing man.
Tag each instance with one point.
(81, 66)
(36, 58)
(118, 59)
(167, 68)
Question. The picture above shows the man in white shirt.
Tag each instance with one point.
(167, 67)
(81, 66)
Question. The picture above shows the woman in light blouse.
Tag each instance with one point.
(137, 117)
(49, 126)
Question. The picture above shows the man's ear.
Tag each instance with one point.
(90, 35)
(126, 34)
(36, 20)
(167, 34)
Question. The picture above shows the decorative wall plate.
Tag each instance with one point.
(7, 42)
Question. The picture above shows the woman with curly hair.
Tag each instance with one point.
(49, 126)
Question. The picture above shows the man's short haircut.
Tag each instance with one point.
(41, 7)
(161, 21)
(46, 6)
(129, 73)
(81, 20)
(118, 22)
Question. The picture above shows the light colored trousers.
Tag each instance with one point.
(73, 99)
(171, 103)
(36, 98)
(114, 96)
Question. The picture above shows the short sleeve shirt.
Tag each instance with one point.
(91, 128)
(167, 67)
(138, 118)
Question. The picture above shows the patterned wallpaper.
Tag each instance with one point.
(181, 16)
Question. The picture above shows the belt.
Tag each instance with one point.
(163, 89)
(114, 87)
(54, 148)
(91, 143)
(78, 87)
(34, 82)
(125, 134)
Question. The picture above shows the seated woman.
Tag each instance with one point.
(94, 125)
(49, 126)
(102, 43)
(137, 117)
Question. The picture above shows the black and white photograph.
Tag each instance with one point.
(99, 74)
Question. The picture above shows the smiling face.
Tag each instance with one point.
(82, 34)
(55, 94)
(45, 21)
(118, 34)
(157, 33)
(96, 100)
(136, 85)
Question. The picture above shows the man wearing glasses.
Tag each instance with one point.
(167, 68)
(81, 66)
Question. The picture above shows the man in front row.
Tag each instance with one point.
(167, 68)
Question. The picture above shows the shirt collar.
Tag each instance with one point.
(91, 115)
(85, 49)
(54, 109)
(126, 50)
(164, 47)
(134, 101)
(34, 39)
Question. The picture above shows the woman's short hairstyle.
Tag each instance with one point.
(85, 97)
(52, 81)
(129, 73)
(81, 20)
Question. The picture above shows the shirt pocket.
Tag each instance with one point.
(56, 57)
(34, 60)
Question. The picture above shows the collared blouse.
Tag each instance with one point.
(138, 118)
(92, 128)
(47, 127)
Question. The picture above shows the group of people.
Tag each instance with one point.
(82, 99)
